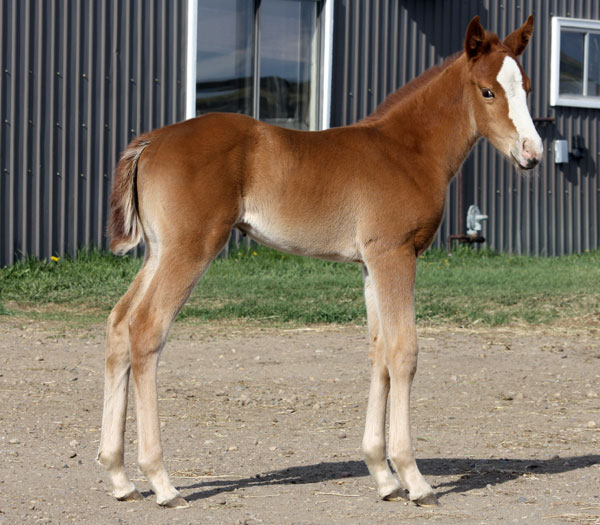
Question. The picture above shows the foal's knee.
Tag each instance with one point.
(401, 359)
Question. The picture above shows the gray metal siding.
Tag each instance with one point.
(79, 81)
(382, 44)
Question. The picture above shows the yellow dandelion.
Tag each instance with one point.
(255, 254)
(55, 259)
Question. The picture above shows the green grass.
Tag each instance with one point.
(266, 286)
(484, 287)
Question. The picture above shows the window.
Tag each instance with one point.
(575, 71)
(224, 56)
(262, 58)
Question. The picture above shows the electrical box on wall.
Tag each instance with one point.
(561, 151)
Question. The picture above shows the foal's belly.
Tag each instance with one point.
(326, 239)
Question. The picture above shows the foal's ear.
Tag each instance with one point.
(517, 41)
(474, 39)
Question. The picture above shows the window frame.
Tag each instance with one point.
(324, 56)
(556, 98)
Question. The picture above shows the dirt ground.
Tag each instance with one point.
(266, 427)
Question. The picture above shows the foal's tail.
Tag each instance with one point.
(124, 226)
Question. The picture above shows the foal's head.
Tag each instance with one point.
(498, 88)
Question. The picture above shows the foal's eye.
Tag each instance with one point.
(487, 93)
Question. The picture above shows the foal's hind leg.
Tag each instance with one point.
(116, 382)
(373, 445)
(393, 275)
(177, 273)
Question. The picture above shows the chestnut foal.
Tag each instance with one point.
(371, 193)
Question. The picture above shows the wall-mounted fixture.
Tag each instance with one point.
(474, 218)
(561, 151)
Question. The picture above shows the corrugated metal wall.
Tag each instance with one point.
(382, 44)
(80, 79)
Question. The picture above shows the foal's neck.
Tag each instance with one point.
(436, 122)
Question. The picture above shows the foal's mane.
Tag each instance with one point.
(414, 85)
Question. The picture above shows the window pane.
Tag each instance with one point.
(571, 63)
(594, 66)
(224, 56)
(288, 62)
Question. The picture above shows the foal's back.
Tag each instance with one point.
(321, 194)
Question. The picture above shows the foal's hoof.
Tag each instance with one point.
(134, 495)
(427, 501)
(397, 495)
(176, 503)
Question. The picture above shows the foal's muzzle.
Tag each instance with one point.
(528, 153)
(527, 164)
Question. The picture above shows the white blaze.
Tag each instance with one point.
(511, 80)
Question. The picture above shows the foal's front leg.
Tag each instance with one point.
(393, 277)
(373, 445)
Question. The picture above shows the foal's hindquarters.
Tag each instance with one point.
(186, 223)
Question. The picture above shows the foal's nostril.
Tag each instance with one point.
(528, 163)
(530, 153)
(532, 163)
